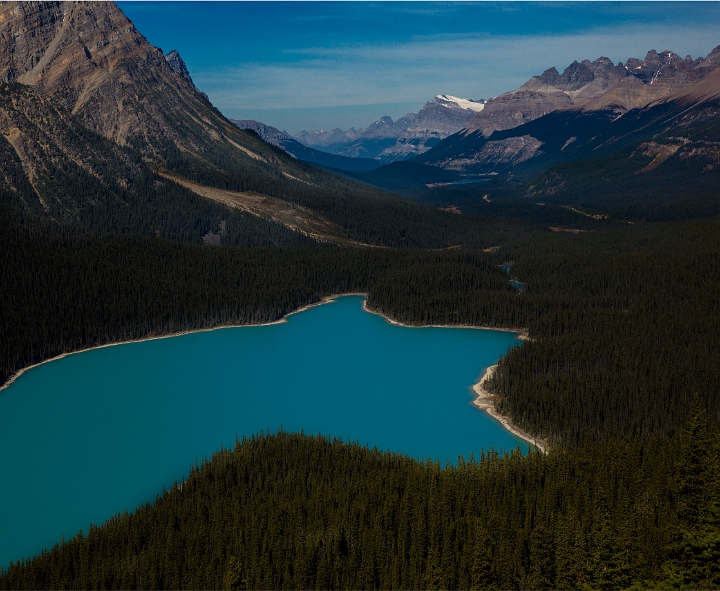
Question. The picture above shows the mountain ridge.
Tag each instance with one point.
(493, 143)
(390, 141)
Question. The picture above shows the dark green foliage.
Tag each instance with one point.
(694, 554)
(290, 511)
(234, 579)
(625, 186)
(624, 328)
(81, 289)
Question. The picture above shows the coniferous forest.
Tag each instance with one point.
(620, 374)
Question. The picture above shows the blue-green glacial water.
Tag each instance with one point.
(97, 433)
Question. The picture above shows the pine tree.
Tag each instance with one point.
(608, 565)
(694, 555)
(482, 563)
(233, 575)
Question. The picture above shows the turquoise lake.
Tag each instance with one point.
(97, 433)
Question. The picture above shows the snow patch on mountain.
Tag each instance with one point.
(448, 101)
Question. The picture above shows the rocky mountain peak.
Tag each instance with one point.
(575, 76)
(89, 58)
(711, 61)
(550, 76)
(380, 128)
(178, 65)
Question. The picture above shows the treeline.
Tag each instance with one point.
(626, 329)
(65, 289)
(624, 324)
(290, 511)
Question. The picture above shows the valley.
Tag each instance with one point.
(582, 206)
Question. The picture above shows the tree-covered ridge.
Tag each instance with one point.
(626, 330)
(289, 511)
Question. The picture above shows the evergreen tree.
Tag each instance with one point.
(482, 562)
(233, 575)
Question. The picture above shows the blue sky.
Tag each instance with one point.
(320, 65)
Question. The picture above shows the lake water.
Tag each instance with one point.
(97, 433)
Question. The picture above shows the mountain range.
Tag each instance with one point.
(88, 102)
(586, 96)
(390, 141)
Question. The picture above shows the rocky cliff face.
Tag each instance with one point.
(178, 65)
(90, 57)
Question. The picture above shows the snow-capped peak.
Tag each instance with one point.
(443, 99)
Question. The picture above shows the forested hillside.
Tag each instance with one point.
(296, 512)
(83, 289)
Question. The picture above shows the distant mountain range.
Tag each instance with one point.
(587, 101)
(285, 141)
(390, 141)
(100, 128)
(480, 137)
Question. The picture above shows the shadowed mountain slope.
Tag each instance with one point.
(89, 98)
(278, 138)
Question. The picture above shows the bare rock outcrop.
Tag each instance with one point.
(90, 57)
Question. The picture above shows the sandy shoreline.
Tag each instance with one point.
(486, 401)
(521, 332)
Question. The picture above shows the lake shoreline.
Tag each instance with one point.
(485, 400)
(280, 320)
(521, 332)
